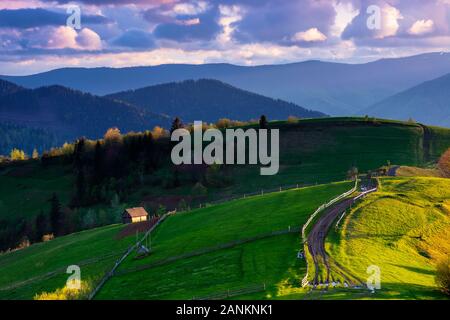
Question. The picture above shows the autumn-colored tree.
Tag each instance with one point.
(17, 154)
(292, 119)
(444, 163)
(223, 123)
(158, 132)
(113, 135)
(35, 154)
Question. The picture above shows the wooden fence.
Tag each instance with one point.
(233, 293)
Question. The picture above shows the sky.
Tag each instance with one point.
(40, 35)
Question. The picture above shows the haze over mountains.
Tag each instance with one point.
(210, 100)
(332, 88)
(428, 102)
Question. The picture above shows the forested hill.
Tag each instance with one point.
(210, 100)
(70, 114)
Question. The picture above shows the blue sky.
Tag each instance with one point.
(35, 37)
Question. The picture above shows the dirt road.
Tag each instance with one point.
(326, 269)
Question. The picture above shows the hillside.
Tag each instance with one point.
(210, 100)
(179, 234)
(310, 83)
(311, 151)
(42, 267)
(70, 114)
(428, 103)
(404, 228)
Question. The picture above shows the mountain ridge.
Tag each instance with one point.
(309, 83)
(209, 100)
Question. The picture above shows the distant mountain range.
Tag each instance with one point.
(210, 100)
(70, 113)
(428, 102)
(53, 114)
(332, 88)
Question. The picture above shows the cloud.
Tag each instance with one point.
(374, 21)
(30, 18)
(68, 38)
(190, 9)
(190, 28)
(135, 39)
(310, 35)
(116, 2)
(421, 27)
(277, 20)
(229, 16)
(88, 40)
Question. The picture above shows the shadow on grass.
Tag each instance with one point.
(415, 269)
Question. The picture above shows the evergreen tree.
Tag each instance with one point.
(78, 153)
(176, 124)
(55, 214)
(263, 122)
(41, 226)
(98, 175)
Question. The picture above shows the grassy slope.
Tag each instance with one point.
(37, 260)
(404, 228)
(268, 260)
(312, 150)
(25, 190)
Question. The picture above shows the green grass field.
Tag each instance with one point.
(311, 151)
(29, 271)
(404, 229)
(400, 228)
(239, 266)
(41, 267)
(26, 189)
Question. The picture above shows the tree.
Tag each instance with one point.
(55, 214)
(443, 275)
(352, 173)
(41, 226)
(17, 154)
(263, 122)
(78, 153)
(81, 186)
(444, 163)
(293, 119)
(113, 135)
(158, 132)
(176, 124)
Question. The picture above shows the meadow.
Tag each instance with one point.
(42, 266)
(261, 260)
(404, 228)
(311, 151)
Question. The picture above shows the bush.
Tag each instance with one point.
(443, 276)
(444, 163)
(292, 119)
(67, 293)
(199, 189)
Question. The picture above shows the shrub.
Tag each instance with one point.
(66, 293)
(444, 163)
(292, 119)
(443, 276)
(199, 189)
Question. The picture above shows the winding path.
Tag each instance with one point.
(326, 268)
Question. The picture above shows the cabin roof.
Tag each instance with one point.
(136, 212)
